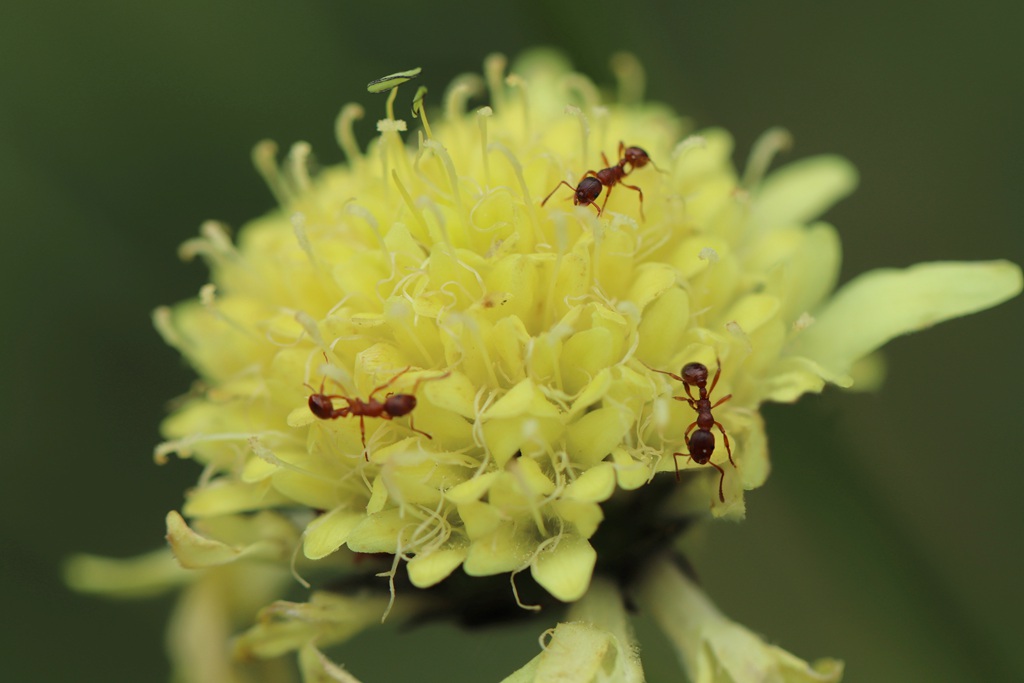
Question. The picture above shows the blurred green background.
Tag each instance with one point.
(890, 533)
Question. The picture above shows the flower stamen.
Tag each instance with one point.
(631, 77)
(584, 132)
(345, 135)
(482, 114)
(764, 150)
(413, 209)
(264, 158)
(531, 210)
(453, 177)
(456, 97)
(297, 174)
(494, 74)
(419, 110)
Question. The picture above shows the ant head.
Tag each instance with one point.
(397, 405)
(637, 157)
(701, 445)
(321, 405)
(695, 374)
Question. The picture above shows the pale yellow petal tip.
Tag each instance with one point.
(316, 667)
(713, 648)
(565, 570)
(147, 575)
(328, 532)
(803, 190)
(192, 550)
(828, 670)
(326, 619)
(300, 417)
(883, 304)
(581, 653)
(868, 373)
(431, 568)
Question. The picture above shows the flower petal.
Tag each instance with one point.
(431, 568)
(595, 485)
(329, 531)
(565, 570)
(225, 497)
(714, 649)
(595, 645)
(136, 577)
(195, 551)
(326, 619)
(317, 668)
(576, 653)
(883, 304)
(592, 437)
(802, 190)
(501, 550)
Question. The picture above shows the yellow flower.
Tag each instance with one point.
(416, 356)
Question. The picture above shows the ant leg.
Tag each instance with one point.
(606, 197)
(622, 150)
(721, 400)
(675, 459)
(718, 372)
(721, 480)
(362, 432)
(389, 382)
(686, 436)
(418, 431)
(421, 380)
(725, 437)
(556, 190)
(605, 159)
(689, 400)
(721, 474)
(664, 372)
(641, 193)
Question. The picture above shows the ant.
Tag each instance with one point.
(393, 405)
(589, 187)
(701, 443)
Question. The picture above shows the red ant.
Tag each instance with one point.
(701, 443)
(589, 187)
(393, 405)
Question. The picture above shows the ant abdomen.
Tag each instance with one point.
(701, 445)
(587, 191)
(398, 405)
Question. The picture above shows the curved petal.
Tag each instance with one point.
(565, 571)
(884, 304)
(802, 190)
(711, 647)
